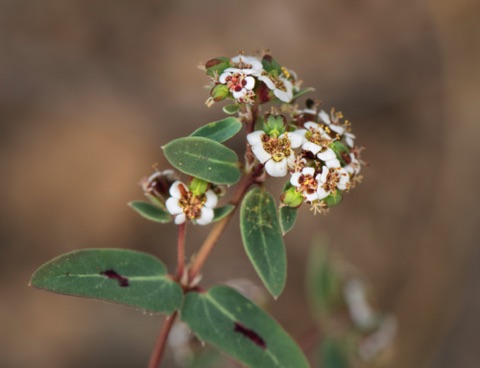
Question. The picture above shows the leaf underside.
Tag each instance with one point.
(151, 212)
(287, 216)
(121, 276)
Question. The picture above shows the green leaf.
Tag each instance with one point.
(303, 92)
(221, 212)
(121, 276)
(219, 131)
(233, 324)
(323, 282)
(203, 158)
(262, 239)
(287, 216)
(334, 354)
(271, 65)
(231, 109)
(150, 211)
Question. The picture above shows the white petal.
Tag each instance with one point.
(311, 197)
(255, 137)
(308, 171)
(284, 96)
(173, 207)
(265, 79)
(349, 138)
(311, 125)
(337, 129)
(309, 111)
(260, 153)
(206, 216)
(233, 70)
(322, 193)
(239, 94)
(294, 179)
(325, 171)
(302, 132)
(174, 191)
(211, 199)
(180, 219)
(223, 76)
(326, 155)
(276, 169)
(324, 117)
(250, 82)
(312, 147)
(334, 163)
(296, 139)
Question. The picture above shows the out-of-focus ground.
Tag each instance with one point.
(90, 90)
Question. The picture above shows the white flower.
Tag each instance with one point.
(275, 153)
(184, 205)
(331, 125)
(307, 183)
(318, 141)
(249, 65)
(239, 83)
(282, 88)
(349, 139)
(332, 179)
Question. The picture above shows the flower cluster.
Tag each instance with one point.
(249, 80)
(326, 164)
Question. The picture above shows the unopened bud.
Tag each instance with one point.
(219, 92)
(291, 198)
(333, 199)
(157, 185)
(274, 124)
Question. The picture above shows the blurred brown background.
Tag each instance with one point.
(90, 90)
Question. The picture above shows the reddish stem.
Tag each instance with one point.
(181, 250)
(161, 342)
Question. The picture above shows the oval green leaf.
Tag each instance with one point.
(287, 216)
(221, 212)
(127, 277)
(231, 109)
(203, 158)
(262, 239)
(303, 92)
(235, 325)
(151, 212)
(219, 131)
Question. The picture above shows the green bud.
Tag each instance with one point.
(291, 197)
(198, 186)
(274, 125)
(219, 92)
(333, 199)
(217, 66)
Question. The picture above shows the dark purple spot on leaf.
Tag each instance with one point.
(111, 274)
(250, 334)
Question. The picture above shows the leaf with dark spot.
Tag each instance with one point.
(232, 323)
(250, 334)
(111, 274)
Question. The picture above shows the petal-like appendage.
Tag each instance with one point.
(180, 219)
(255, 137)
(250, 82)
(294, 179)
(296, 139)
(265, 79)
(324, 117)
(260, 153)
(211, 199)
(173, 207)
(311, 197)
(322, 193)
(333, 163)
(276, 169)
(308, 171)
(311, 147)
(206, 216)
(175, 191)
(327, 154)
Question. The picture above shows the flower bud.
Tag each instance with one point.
(219, 92)
(341, 151)
(274, 125)
(271, 65)
(217, 66)
(291, 197)
(198, 186)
